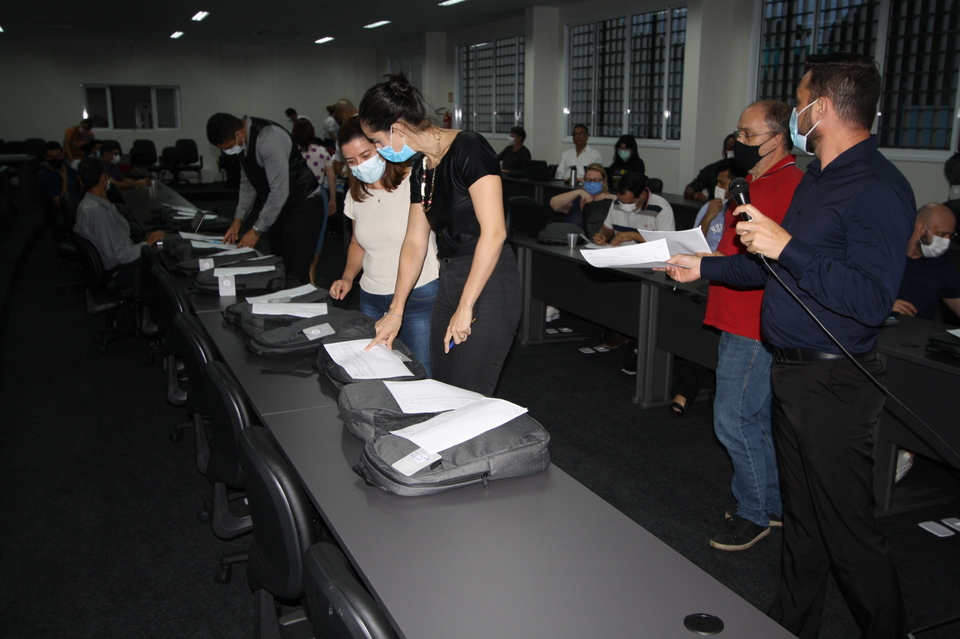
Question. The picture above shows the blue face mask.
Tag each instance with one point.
(593, 187)
(800, 141)
(369, 171)
(390, 155)
(624, 154)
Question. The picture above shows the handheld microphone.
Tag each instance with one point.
(740, 191)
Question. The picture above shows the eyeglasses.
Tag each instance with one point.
(947, 235)
(579, 134)
(593, 179)
(740, 135)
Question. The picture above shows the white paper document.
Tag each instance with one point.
(430, 396)
(282, 296)
(182, 209)
(689, 241)
(188, 216)
(200, 237)
(646, 255)
(241, 270)
(377, 363)
(457, 426)
(297, 310)
(220, 246)
(955, 332)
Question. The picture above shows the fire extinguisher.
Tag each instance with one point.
(447, 120)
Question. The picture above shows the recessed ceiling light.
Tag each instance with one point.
(449, 2)
(176, 34)
(374, 25)
(200, 15)
(322, 40)
(1, 29)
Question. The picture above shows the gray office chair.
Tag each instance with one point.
(188, 159)
(197, 351)
(337, 604)
(285, 525)
(229, 416)
(655, 185)
(171, 300)
(143, 155)
(102, 297)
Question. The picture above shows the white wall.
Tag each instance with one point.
(238, 79)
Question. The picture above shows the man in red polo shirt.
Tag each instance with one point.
(744, 394)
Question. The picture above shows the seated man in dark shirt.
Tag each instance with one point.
(707, 177)
(110, 156)
(56, 178)
(930, 275)
(513, 156)
(99, 222)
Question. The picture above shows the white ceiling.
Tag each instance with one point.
(295, 22)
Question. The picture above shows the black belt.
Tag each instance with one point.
(810, 355)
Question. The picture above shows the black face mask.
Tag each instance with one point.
(55, 163)
(747, 157)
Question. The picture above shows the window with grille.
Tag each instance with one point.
(919, 58)
(626, 75)
(132, 107)
(491, 85)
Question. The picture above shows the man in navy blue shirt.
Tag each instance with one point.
(930, 274)
(841, 251)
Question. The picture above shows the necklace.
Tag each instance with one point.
(425, 201)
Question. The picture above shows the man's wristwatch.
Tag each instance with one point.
(257, 231)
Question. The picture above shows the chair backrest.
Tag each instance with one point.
(186, 151)
(168, 157)
(526, 215)
(229, 416)
(655, 185)
(68, 208)
(284, 521)
(198, 351)
(171, 300)
(35, 146)
(143, 153)
(336, 603)
(92, 273)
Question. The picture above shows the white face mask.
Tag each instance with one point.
(937, 246)
(116, 159)
(719, 193)
(627, 208)
(233, 150)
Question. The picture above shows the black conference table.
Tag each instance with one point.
(664, 317)
(667, 320)
(537, 556)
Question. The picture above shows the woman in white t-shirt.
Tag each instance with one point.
(378, 202)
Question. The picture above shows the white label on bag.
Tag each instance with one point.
(228, 285)
(316, 332)
(415, 461)
(206, 264)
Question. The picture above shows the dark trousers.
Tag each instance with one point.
(823, 418)
(475, 364)
(293, 236)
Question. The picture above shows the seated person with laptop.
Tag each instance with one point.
(512, 156)
(99, 222)
(110, 157)
(635, 209)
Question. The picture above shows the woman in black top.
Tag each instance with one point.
(626, 159)
(455, 191)
(514, 155)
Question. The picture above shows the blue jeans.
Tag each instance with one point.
(415, 330)
(741, 420)
(323, 225)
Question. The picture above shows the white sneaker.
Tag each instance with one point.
(552, 313)
(904, 464)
